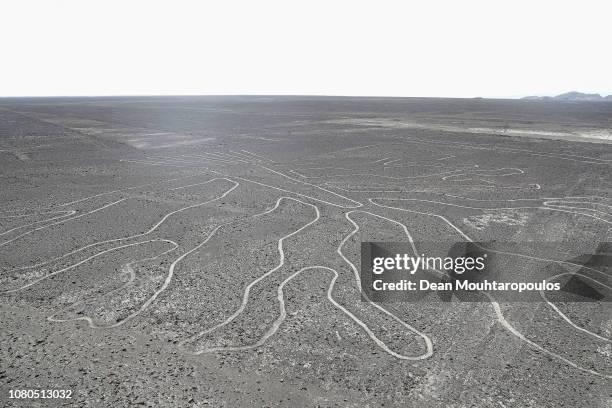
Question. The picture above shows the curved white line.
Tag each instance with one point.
(61, 222)
(88, 319)
(494, 303)
(152, 229)
(426, 339)
(66, 214)
(247, 290)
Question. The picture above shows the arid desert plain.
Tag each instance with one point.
(205, 251)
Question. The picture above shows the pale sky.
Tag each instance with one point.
(460, 48)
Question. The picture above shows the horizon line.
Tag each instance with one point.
(603, 95)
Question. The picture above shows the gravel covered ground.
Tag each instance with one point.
(204, 251)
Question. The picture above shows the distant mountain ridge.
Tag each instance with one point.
(571, 96)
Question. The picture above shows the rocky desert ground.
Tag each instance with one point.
(204, 251)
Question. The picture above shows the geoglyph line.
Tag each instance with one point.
(61, 222)
(247, 290)
(65, 214)
(282, 314)
(152, 229)
(246, 156)
(500, 317)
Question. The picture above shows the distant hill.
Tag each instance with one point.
(578, 96)
(570, 96)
